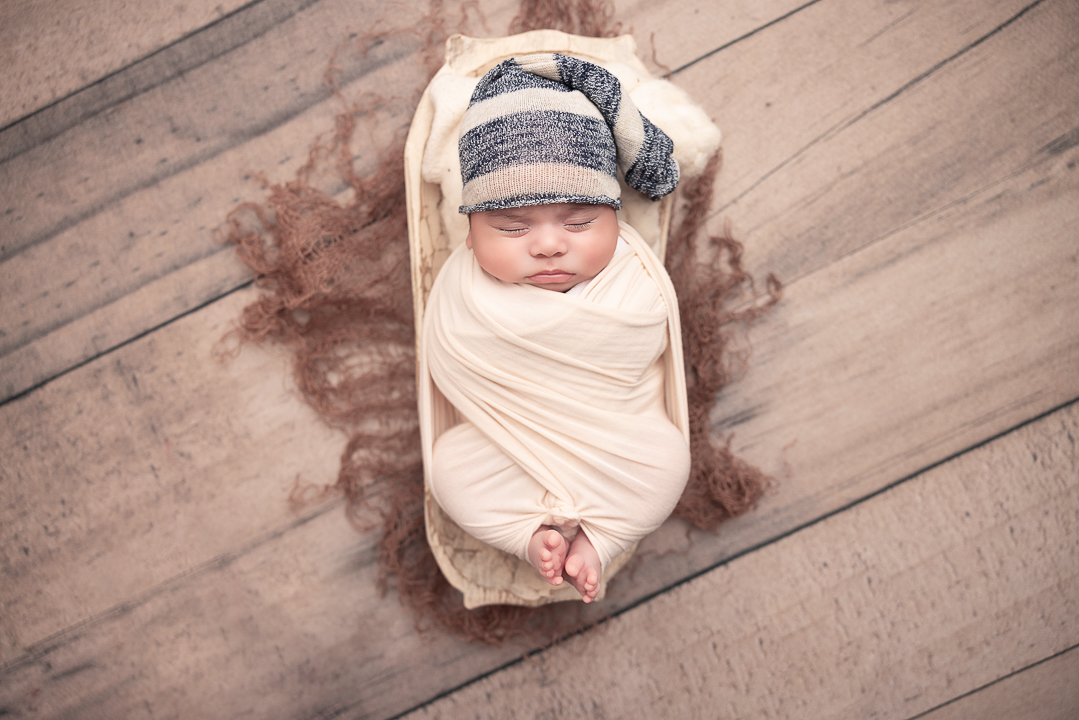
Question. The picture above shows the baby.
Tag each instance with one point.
(547, 329)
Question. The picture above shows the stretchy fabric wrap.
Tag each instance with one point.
(562, 401)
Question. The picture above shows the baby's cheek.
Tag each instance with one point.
(496, 263)
(601, 254)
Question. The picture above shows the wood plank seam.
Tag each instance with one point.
(146, 73)
(915, 568)
(179, 167)
(1056, 147)
(839, 510)
(275, 121)
(104, 203)
(1054, 143)
(758, 546)
(36, 651)
(1001, 679)
(824, 517)
(128, 341)
(841, 126)
(11, 147)
(740, 38)
(44, 646)
(188, 162)
(958, 430)
(46, 328)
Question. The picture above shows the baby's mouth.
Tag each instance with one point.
(551, 276)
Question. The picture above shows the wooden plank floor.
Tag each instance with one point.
(909, 169)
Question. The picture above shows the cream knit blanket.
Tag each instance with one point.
(562, 401)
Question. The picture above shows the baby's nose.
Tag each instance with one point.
(548, 244)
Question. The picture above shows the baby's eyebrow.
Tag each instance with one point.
(506, 215)
(587, 211)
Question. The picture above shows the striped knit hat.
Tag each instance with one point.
(548, 128)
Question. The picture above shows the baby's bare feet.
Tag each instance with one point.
(547, 552)
(583, 567)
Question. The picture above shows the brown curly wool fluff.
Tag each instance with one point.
(335, 285)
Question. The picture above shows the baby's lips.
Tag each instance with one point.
(551, 276)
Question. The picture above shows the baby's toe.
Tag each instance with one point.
(553, 539)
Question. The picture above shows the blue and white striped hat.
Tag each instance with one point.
(548, 128)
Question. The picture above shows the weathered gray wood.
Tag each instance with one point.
(291, 627)
(1046, 691)
(51, 50)
(137, 469)
(909, 343)
(683, 32)
(217, 105)
(811, 358)
(784, 344)
(938, 335)
(131, 197)
(97, 299)
(856, 64)
(932, 589)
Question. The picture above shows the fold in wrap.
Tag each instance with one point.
(562, 397)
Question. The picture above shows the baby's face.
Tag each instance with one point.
(553, 247)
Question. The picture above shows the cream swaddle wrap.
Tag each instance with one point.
(562, 400)
(486, 575)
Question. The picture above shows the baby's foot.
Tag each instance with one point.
(547, 552)
(583, 567)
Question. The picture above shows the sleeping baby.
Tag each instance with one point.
(546, 329)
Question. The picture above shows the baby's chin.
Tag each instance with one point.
(561, 288)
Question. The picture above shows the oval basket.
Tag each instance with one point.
(485, 575)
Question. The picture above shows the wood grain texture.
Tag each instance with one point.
(50, 50)
(1046, 691)
(290, 627)
(684, 32)
(150, 562)
(131, 193)
(878, 97)
(931, 589)
(142, 466)
(917, 345)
